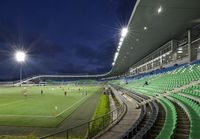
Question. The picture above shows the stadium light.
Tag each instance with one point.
(20, 57)
(124, 32)
(123, 35)
(116, 54)
(159, 10)
(145, 28)
(181, 48)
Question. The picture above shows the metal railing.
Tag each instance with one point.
(91, 128)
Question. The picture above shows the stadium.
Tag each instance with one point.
(150, 88)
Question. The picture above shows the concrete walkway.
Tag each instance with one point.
(126, 122)
(113, 107)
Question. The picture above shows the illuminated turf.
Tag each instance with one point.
(40, 110)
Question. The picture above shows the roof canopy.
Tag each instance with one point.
(150, 29)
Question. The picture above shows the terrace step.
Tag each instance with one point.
(183, 123)
(158, 125)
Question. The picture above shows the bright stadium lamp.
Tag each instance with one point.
(20, 57)
(159, 10)
(124, 32)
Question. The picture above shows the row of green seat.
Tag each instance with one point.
(160, 83)
(169, 80)
(194, 114)
(192, 91)
(170, 120)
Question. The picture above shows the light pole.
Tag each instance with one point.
(20, 57)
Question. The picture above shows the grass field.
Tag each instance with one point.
(40, 110)
(102, 109)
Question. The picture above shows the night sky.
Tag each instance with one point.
(61, 36)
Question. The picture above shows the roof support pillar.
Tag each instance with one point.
(192, 49)
(161, 62)
(146, 66)
(174, 50)
(189, 44)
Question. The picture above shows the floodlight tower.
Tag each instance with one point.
(20, 57)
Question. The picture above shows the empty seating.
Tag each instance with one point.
(193, 110)
(175, 114)
(170, 120)
(193, 91)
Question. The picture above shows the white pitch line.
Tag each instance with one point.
(42, 116)
(70, 107)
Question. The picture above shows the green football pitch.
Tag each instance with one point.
(26, 106)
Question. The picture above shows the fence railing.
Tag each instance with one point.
(91, 128)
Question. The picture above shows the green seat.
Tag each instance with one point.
(194, 115)
(170, 120)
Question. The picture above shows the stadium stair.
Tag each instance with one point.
(183, 123)
(146, 120)
(131, 116)
(159, 123)
(149, 120)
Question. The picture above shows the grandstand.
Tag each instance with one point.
(151, 92)
(165, 71)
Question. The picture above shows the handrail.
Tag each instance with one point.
(89, 133)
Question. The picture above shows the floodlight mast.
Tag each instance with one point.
(20, 57)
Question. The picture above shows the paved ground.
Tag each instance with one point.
(80, 115)
(127, 121)
(112, 107)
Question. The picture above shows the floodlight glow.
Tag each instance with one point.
(120, 43)
(115, 57)
(121, 39)
(116, 54)
(159, 9)
(145, 28)
(181, 48)
(124, 32)
(20, 56)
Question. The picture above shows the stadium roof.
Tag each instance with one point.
(175, 18)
